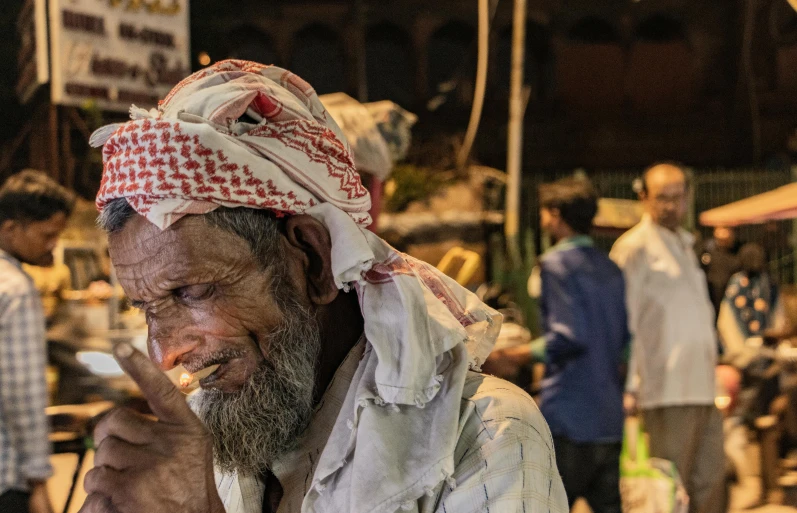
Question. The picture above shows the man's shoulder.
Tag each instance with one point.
(603, 263)
(504, 458)
(635, 237)
(13, 281)
(554, 263)
(631, 244)
(579, 261)
(495, 407)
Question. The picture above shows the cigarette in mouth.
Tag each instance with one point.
(191, 381)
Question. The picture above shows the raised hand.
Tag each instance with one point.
(146, 465)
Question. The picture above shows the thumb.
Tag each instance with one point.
(163, 397)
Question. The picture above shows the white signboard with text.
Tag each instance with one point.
(117, 52)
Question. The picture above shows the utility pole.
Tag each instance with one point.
(514, 161)
(359, 50)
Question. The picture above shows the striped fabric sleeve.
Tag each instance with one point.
(505, 460)
(23, 385)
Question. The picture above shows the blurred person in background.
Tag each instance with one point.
(750, 307)
(719, 260)
(583, 315)
(33, 213)
(750, 312)
(674, 351)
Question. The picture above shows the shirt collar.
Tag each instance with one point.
(685, 238)
(315, 437)
(14, 261)
(311, 443)
(576, 241)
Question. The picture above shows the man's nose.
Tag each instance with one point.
(169, 342)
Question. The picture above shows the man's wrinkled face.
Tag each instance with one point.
(207, 301)
(33, 242)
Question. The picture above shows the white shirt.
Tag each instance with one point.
(671, 318)
(503, 454)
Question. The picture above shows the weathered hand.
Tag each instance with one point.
(506, 363)
(143, 465)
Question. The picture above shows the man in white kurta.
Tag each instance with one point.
(674, 350)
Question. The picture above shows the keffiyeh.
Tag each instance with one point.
(234, 134)
(240, 134)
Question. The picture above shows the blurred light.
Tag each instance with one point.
(204, 58)
(101, 364)
(722, 402)
(390, 188)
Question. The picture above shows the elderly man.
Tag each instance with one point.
(343, 373)
(674, 351)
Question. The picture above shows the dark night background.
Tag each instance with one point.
(614, 84)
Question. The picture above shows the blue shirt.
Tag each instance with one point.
(583, 316)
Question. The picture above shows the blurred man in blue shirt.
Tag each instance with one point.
(584, 343)
(582, 305)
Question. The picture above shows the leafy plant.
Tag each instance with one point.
(410, 183)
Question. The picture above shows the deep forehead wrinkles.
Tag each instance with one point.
(190, 251)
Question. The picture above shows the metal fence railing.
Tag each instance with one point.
(711, 188)
(717, 187)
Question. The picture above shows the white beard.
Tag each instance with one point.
(262, 421)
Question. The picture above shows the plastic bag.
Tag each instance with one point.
(648, 485)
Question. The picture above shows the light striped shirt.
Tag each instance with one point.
(24, 445)
(504, 457)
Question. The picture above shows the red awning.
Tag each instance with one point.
(774, 205)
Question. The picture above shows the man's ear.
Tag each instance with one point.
(8, 226)
(312, 238)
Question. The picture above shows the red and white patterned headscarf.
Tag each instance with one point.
(235, 134)
(240, 134)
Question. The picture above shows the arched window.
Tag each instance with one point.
(388, 64)
(593, 30)
(660, 28)
(537, 68)
(450, 57)
(319, 59)
(660, 75)
(589, 67)
(252, 44)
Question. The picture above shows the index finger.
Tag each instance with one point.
(166, 401)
